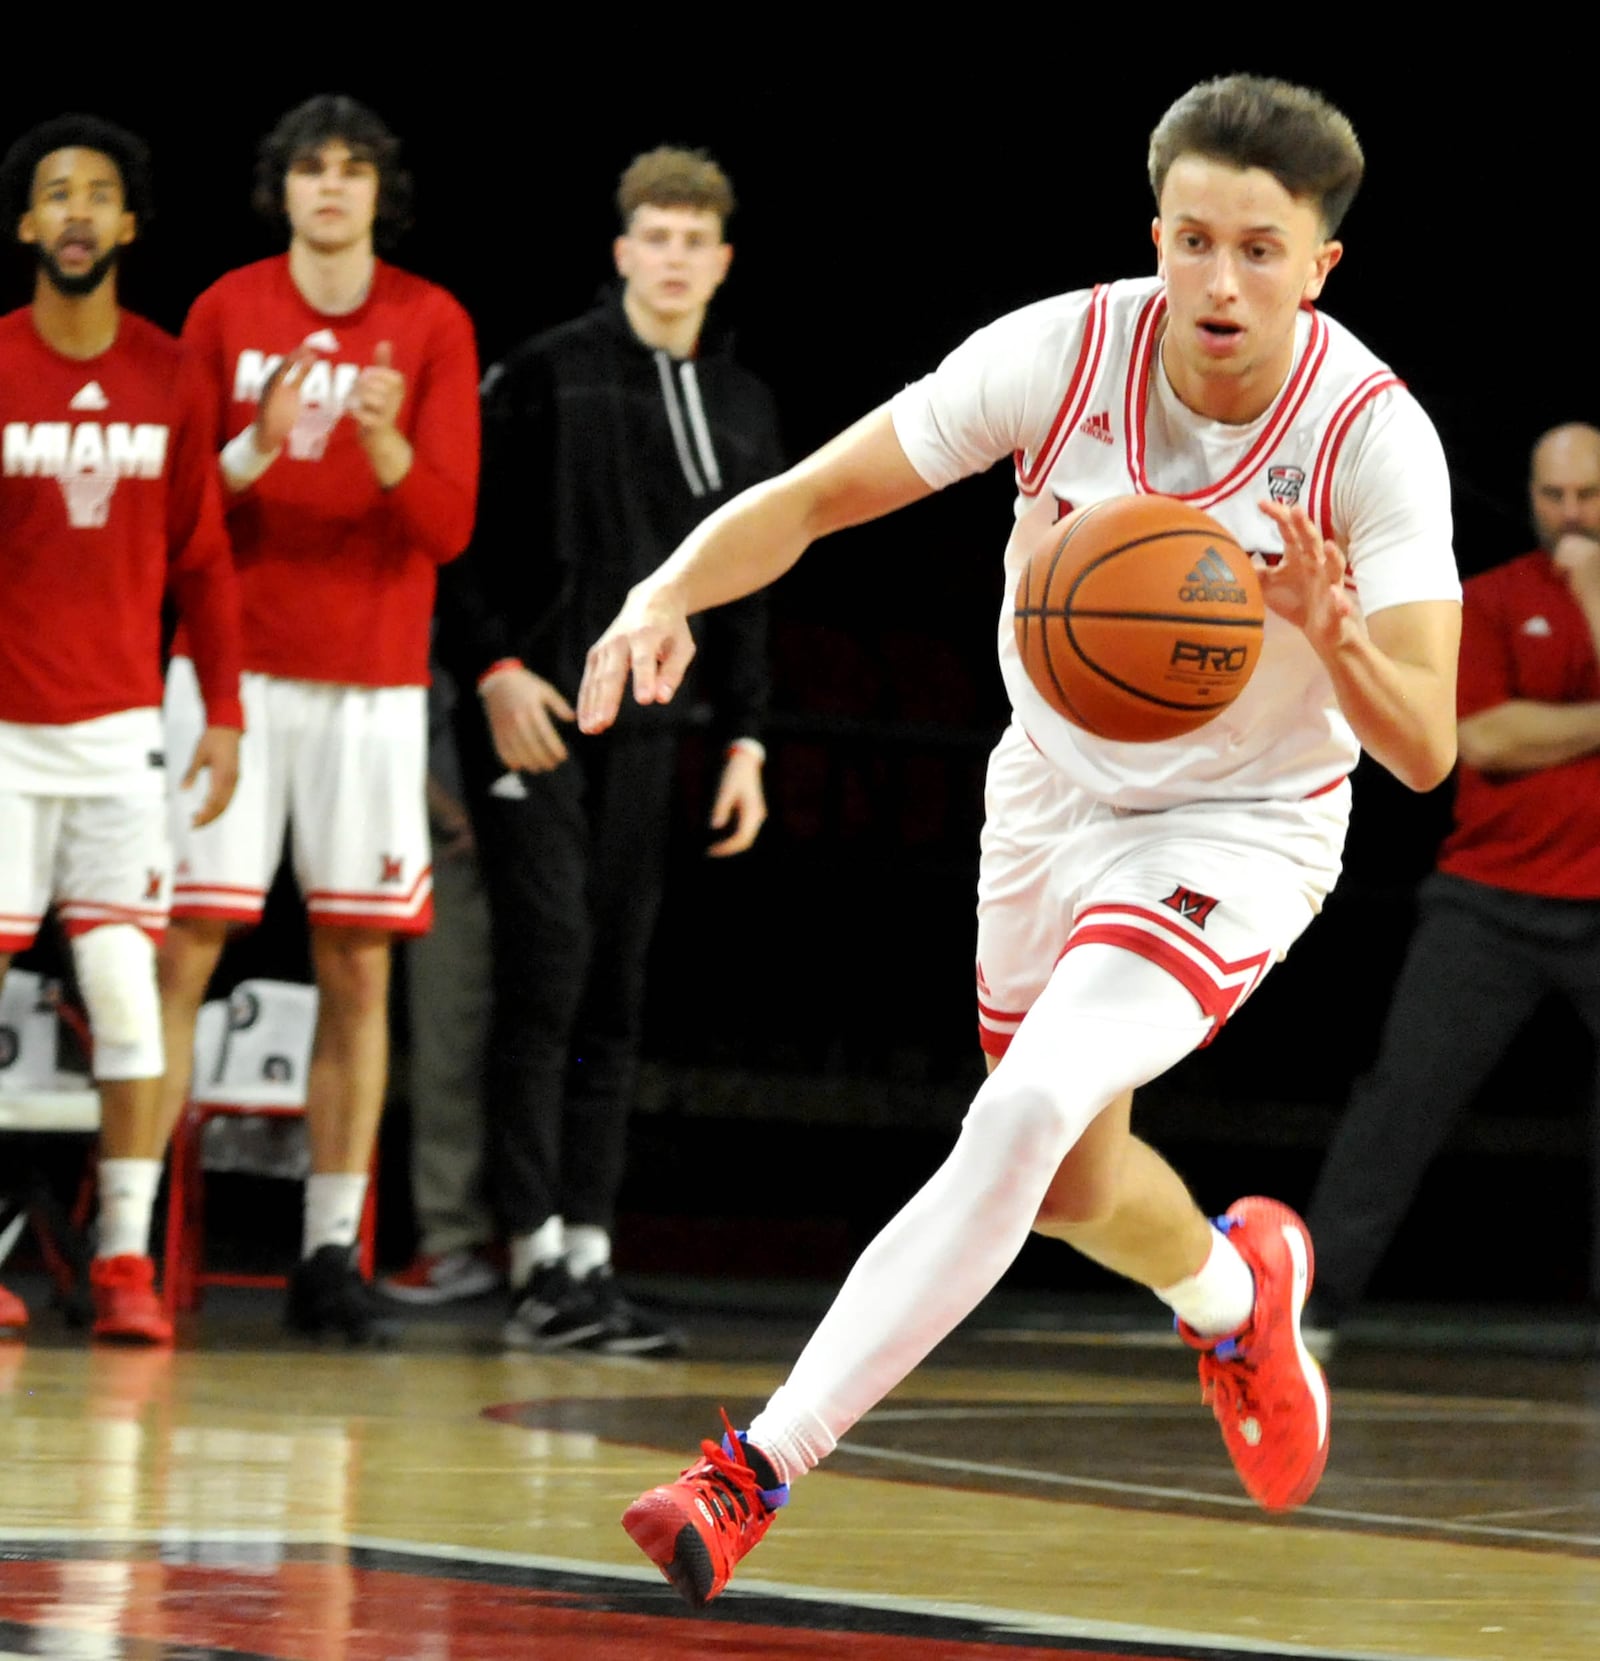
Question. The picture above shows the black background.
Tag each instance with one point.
(894, 195)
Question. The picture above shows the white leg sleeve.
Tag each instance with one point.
(116, 967)
(1108, 1021)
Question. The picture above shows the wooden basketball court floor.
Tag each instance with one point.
(1030, 1493)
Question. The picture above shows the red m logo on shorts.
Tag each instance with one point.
(152, 885)
(1193, 907)
(389, 867)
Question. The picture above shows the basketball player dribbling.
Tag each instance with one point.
(1130, 896)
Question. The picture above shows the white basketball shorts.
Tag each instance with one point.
(1213, 892)
(342, 770)
(100, 859)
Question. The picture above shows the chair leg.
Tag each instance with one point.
(172, 1273)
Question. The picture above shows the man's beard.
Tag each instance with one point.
(85, 282)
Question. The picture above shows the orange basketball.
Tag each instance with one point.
(1138, 618)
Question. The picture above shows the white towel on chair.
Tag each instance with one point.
(254, 1048)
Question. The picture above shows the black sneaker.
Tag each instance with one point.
(552, 1312)
(626, 1329)
(328, 1295)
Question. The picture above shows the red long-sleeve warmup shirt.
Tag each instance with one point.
(108, 499)
(337, 573)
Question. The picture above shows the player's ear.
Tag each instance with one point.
(127, 229)
(1326, 257)
(1155, 237)
(725, 259)
(620, 250)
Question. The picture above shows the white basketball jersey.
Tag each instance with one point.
(1072, 389)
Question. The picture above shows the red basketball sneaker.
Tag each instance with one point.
(696, 1529)
(1268, 1394)
(13, 1312)
(125, 1301)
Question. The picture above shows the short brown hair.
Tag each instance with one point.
(670, 178)
(1289, 131)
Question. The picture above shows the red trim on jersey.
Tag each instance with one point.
(217, 913)
(406, 899)
(104, 911)
(385, 922)
(1216, 1000)
(76, 926)
(1323, 789)
(994, 1043)
(1333, 437)
(1294, 394)
(1070, 411)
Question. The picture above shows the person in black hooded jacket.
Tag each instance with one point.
(606, 440)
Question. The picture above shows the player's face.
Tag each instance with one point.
(1239, 255)
(673, 259)
(330, 195)
(1565, 487)
(77, 220)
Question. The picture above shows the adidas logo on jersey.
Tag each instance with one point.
(89, 396)
(1538, 627)
(1212, 579)
(323, 340)
(1098, 427)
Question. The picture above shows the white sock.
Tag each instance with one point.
(127, 1197)
(588, 1249)
(533, 1251)
(332, 1209)
(1220, 1296)
(1108, 1021)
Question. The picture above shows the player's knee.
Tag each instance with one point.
(352, 969)
(117, 977)
(1078, 1197)
(188, 956)
(1027, 1125)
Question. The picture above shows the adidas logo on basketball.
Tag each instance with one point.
(1212, 579)
(1098, 427)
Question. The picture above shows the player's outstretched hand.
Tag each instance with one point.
(217, 755)
(650, 640)
(279, 407)
(741, 804)
(523, 709)
(1306, 587)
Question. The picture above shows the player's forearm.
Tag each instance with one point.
(752, 540)
(1521, 735)
(745, 545)
(1402, 713)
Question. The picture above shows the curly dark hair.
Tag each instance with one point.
(76, 132)
(321, 120)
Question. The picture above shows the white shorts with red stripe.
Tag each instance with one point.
(100, 859)
(1213, 892)
(342, 771)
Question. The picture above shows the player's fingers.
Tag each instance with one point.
(605, 670)
(383, 354)
(545, 738)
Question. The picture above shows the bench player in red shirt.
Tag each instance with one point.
(108, 498)
(348, 391)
